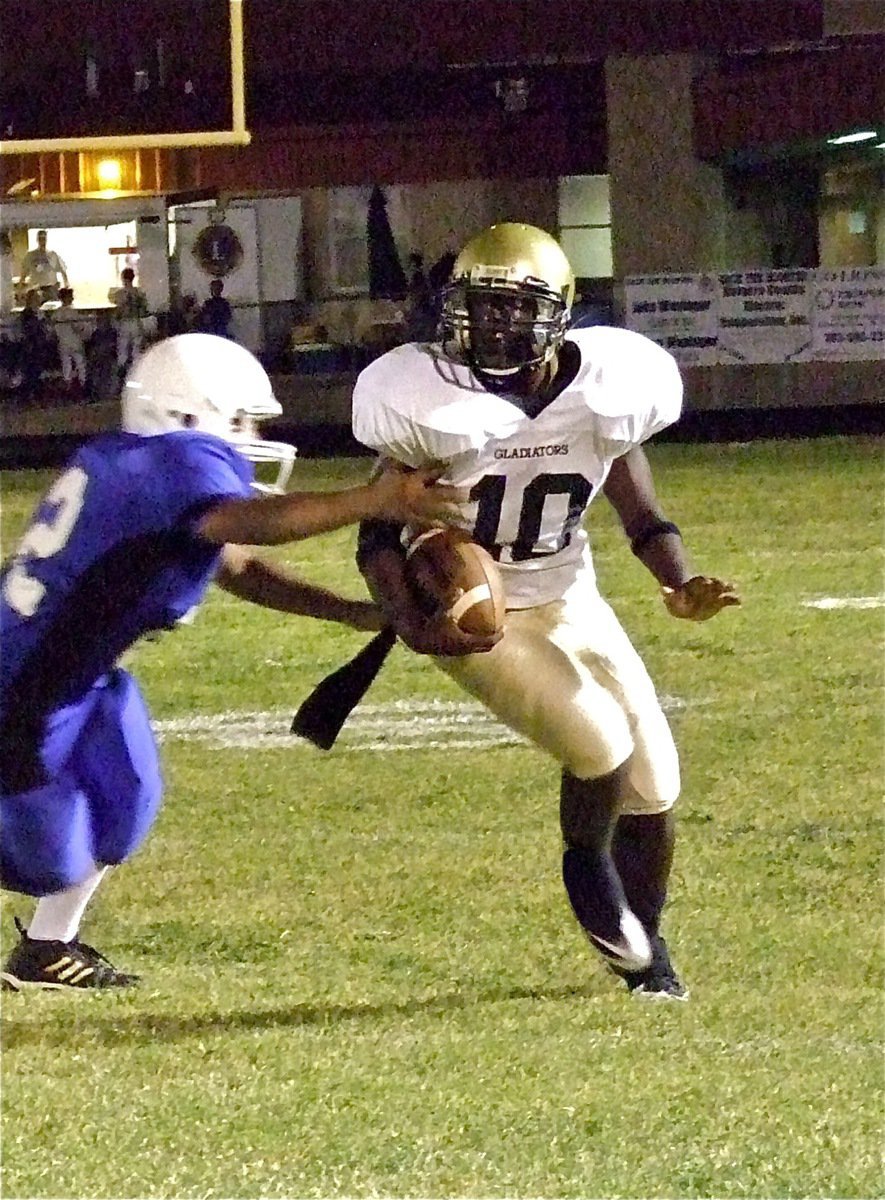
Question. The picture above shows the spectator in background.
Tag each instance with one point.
(183, 315)
(7, 273)
(41, 269)
(588, 311)
(101, 358)
(422, 317)
(216, 313)
(131, 305)
(34, 346)
(439, 273)
(69, 330)
(437, 278)
(417, 279)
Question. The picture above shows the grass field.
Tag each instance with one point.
(361, 976)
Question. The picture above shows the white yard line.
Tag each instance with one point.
(399, 725)
(835, 602)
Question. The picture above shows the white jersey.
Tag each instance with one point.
(41, 268)
(530, 478)
(69, 329)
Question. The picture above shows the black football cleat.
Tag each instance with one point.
(659, 980)
(59, 966)
(600, 905)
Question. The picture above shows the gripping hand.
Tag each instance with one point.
(700, 598)
(437, 635)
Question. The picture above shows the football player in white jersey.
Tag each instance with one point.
(536, 421)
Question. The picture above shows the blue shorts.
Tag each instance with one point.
(101, 796)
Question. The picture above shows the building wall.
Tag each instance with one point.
(432, 219)
(667, 206)
(853, 16)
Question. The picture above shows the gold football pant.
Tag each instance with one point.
(566, 676)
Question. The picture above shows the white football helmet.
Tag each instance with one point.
(200, 381)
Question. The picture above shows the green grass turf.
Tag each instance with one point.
(361, 976)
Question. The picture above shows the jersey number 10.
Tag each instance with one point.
(489, 495)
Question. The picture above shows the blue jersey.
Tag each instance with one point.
(110, 555)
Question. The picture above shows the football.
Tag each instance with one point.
(449, 571)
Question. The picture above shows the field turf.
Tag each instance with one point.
(360, 974)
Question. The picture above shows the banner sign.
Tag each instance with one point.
(849, 313)
(762, 316)
(679, 312)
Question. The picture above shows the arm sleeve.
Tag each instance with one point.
(649, 393)
(200, 472)
(414, 421)
(378, 425)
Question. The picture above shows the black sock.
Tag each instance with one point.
(642, 849)
(578, 866)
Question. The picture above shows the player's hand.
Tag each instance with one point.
(415, 497)
(364, 615)
(439, 636)
(700, 598)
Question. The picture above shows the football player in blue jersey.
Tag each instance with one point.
(125, 543)
(537, 420)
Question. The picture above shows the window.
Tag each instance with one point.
(348, 257)
(585, 224)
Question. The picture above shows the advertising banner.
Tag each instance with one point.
(679, 312)
(764, 316)
(848, 313)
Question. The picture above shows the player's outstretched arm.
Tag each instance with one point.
(251, 578)
(394, 495)
(657, 542)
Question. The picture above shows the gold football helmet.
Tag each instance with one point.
(507, 305)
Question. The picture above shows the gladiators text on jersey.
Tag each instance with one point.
(533, 451)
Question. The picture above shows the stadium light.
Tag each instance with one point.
(846, 139)
(110, 174)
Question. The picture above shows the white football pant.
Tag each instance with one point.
(130, 342)
(566, 676)
(73, 364)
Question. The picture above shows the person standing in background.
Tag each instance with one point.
(182, 316)
(68, 327)
(7, 287)
(34, 346)
(41, 269)
(421, 315)
(216, 313)
(131, 305)
(101, 358)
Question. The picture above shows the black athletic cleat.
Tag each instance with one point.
(600, 905)
(658, 981)
(59, 966)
